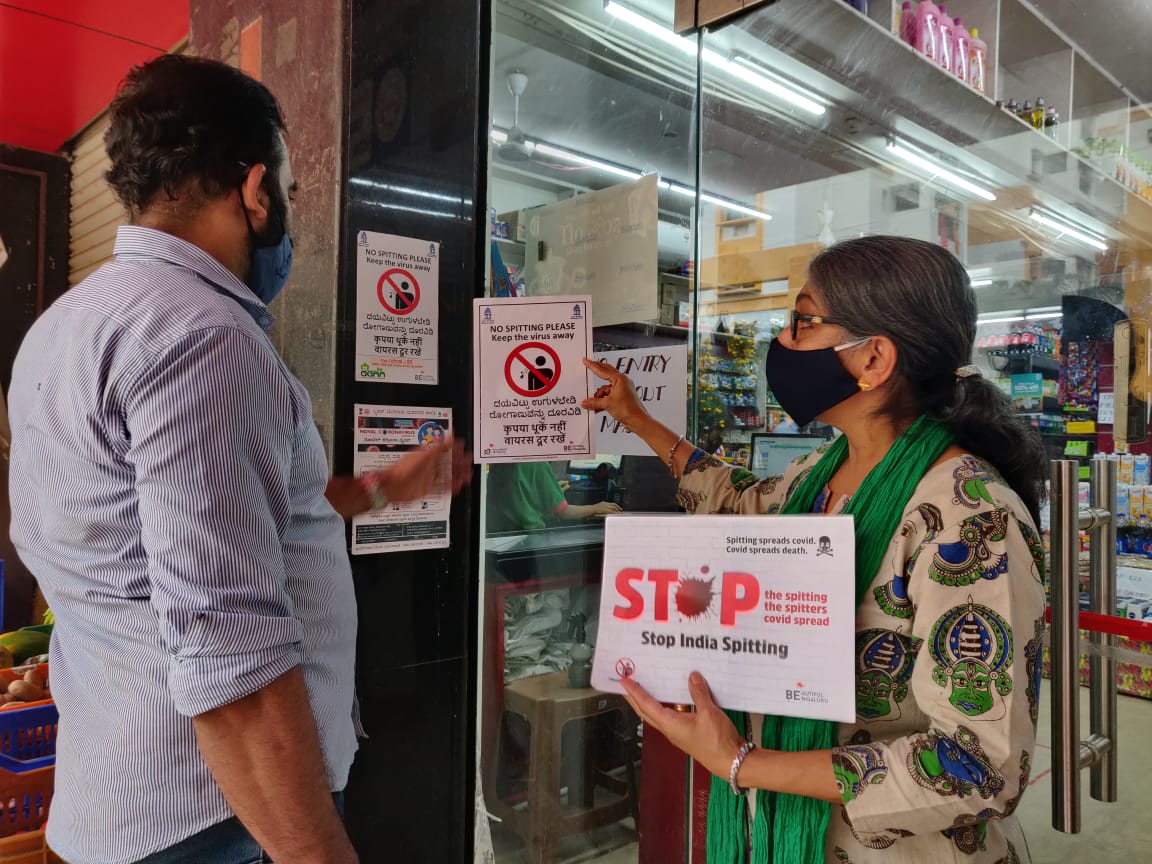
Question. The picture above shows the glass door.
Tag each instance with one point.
(1000, 139)
(592, 184)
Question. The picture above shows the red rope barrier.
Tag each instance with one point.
(1138, 631)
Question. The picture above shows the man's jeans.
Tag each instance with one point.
(225, 843)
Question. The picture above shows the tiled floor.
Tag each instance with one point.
(1110, 832)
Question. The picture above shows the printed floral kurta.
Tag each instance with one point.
(948, 643)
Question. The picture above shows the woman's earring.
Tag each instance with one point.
(863, 385)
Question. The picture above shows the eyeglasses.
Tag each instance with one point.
(797, 317)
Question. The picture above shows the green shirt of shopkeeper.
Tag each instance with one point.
(521, 497)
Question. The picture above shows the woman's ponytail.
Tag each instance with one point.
(985, 424)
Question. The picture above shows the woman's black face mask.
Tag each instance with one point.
(808, 383)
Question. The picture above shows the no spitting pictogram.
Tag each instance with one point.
(532, 369)
(398, 290)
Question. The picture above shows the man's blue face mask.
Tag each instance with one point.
(269, 268)
(271, 260)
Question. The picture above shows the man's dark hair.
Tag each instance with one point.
(179, 121)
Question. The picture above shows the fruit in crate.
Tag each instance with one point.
(31, 687)
(25, 643)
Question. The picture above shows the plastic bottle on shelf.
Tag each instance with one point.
(1038, 112)
(907, 24)
(1140, 470)
(945, 40)
(1051, 122)
(927, 34)
(1025, 113)
(960, 44)
(1011, 107)
(977, 61)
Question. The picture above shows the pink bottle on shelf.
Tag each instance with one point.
(961, 42)
(945, 38)
(977, 62)
(907, 28)
(926, 26)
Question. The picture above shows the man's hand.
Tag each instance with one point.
(264, 753)
(418, 472)
(409, 479)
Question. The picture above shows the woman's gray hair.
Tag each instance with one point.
(919, 296)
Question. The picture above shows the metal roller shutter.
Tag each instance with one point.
(96, 212)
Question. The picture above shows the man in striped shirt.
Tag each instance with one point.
(168, 487)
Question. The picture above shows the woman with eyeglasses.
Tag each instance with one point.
(944, 482)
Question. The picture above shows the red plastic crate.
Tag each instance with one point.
(24, 800)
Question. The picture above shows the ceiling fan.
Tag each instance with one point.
(515, 147)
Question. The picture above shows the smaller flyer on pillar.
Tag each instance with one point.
(763, 607)
(384, 433)
(530, 379)
(397, 309)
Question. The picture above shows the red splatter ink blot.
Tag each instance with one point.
(694, 596)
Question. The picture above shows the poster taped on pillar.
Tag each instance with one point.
(762, 606)
(529, 379)
(603, 244)
(383, 434)
(660, 375)
(397, 309)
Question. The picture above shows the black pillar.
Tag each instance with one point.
(419, 172)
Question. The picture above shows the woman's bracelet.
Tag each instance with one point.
(372, 486)
(672, 457)
(741, 754)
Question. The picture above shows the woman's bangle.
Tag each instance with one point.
(741, 754)
(374, 489)
(672, 456)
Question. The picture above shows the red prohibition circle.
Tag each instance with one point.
(516, 360)
(398, 280)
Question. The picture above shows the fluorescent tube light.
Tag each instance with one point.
(652, 28)
(732, 205)
(1069, 230)
(555, 152)
(726, 203)
(938, 171)
(1001, 320)
(744, 72)
(588, 162)
(980, 283)
(1044, 316)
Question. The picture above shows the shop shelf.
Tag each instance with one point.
(832, 49)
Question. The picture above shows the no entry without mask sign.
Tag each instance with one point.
(763, 606)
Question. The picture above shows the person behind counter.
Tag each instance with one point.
(944, 482)
(525, 496)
